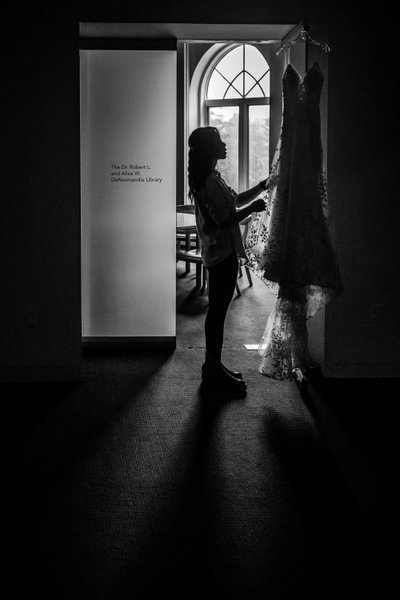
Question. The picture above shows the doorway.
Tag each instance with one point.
(176, 39)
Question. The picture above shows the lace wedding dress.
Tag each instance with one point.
(289, 245)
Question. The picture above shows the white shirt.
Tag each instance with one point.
(215, 203)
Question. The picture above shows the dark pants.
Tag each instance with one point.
(221, 285)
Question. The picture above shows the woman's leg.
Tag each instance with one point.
(221, 285)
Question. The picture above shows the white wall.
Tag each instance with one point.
(128, 118)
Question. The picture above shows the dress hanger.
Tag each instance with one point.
(303, 36)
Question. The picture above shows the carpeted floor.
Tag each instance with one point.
(127, 485)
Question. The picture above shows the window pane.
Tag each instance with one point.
(258, 143)
(226, 120)
(216, 86)
(256, 92)
(233, 91)
(255, 62)
(230, 69)
(264, 82)
(251, 88)
(232, 63)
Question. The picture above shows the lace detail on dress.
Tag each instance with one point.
(284, 344)
(289, 244)
(259, 242)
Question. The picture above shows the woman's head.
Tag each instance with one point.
(205, 148)
(206, 142)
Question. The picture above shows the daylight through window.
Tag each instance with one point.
(237, 103)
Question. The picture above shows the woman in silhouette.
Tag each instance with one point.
(221, 246)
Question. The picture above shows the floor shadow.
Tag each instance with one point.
(350, 546)
(190, 299)
(192, 566)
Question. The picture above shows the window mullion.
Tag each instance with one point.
(243, 146)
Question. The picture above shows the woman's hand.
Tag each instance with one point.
(258, 205)
(272, 181)
(238, 216)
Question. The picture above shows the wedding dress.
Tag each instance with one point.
(289, 244)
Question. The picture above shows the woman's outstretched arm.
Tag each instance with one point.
(250, 194)
(255, 206)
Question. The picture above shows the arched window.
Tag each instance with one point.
(237, 103)
(237, 96)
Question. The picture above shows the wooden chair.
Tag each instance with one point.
(186, 236)
(192, 255)
(188, 251)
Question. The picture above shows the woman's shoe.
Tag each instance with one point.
(212, 369)
(215, 379)
(235, 374)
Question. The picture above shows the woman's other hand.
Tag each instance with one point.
(258, 205)
(272, 181)
(269, 182)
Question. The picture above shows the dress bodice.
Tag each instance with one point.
(299, 93)
(301, 148)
